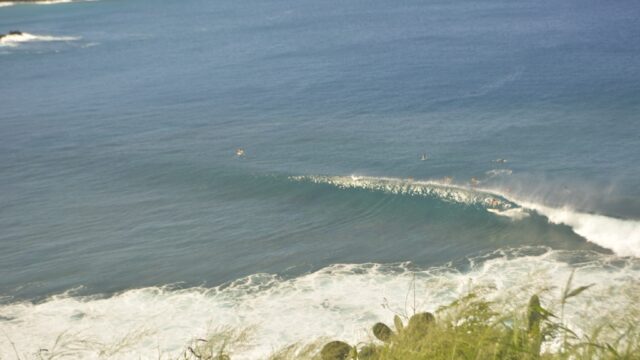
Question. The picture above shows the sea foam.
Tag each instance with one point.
(337, 302)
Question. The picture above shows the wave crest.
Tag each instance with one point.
(15, 39)
(427, 188)
(41, 2)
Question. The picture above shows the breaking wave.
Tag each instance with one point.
(42, 2)
(16, 39)
(427, 188)
(619, 235)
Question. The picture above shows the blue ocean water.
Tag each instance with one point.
(119, 123)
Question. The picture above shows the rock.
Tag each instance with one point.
(420, 322)
(78, 315)
(335, 350)
(12, 32)
(368, 352)
(382, 332)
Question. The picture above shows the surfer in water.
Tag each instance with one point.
(493, 203)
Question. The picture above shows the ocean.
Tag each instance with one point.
(388, 146)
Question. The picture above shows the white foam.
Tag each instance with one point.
(515, 214)
(621, 236)
(15, 40)
(340, 302)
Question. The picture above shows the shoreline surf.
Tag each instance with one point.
(341, 301)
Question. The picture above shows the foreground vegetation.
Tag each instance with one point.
(469, 328)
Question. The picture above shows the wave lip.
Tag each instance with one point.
(427, 188)
(15, 39)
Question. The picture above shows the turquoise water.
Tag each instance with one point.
(119, 123)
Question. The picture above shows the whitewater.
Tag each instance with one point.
(341, 301)
(13, 40)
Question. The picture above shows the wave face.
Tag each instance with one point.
(621, 236)
(13, 40)
(340, 301)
